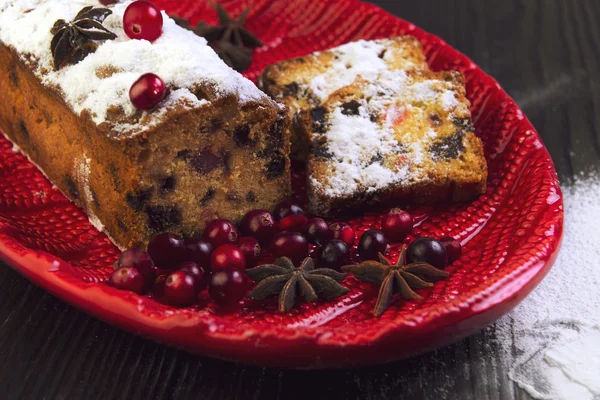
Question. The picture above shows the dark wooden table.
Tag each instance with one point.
(545, 53)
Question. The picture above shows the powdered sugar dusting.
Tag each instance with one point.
(100, 83)
(82, 176)
(555, 332)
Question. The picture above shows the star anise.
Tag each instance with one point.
(230, 40)
(74, 40)
(283, 279)
(401, 278)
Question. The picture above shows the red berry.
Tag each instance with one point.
(180, 289)
(289, 244)
(292, 223)
(227, 286)
(453, 248)
(165, 250)
(147, 91)
(317, 231)
(286, 208)
(198, 251)
(199, 274)
(427, 250)
(250, 247)
(258, 224)
(142, 20)
(220, 231)
(159, 286)
(397, 225)
(140, 260)
(128, 278)
(343, 232)
(371, 244)
(227, 255)
(333, 255)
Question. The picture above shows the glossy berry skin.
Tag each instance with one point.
(292, 223)
(147, 92)
(342, 231)
(199, 274)
(334, 255)
(180, 289)
(140, 260)
(251, 249)
(286, 208)
(227, 286)
(429, 250)
(397, 225)
(128, 278)
(227, 255)
(198, 251)
(142, 20)
(220, 231)
(259, 224)
(165, 250)
(453, 248)
(371, 244)
(289, 244)
(317, 231)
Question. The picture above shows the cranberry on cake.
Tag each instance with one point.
(191, 142)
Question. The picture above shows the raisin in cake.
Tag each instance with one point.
(405, 138)
(215, 147)
(305, 83)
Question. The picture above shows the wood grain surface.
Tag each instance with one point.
(545, 53)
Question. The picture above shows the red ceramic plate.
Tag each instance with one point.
(511, 235)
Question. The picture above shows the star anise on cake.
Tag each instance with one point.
(284, 280)
(74, 40)
(230, 40)
(400, 278)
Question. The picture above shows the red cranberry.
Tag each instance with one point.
(198, 251)
(220, 231)
(159, 286)
(250, 247)
(397, 225)
(199, 274)
(140, 260)
(427, 250)
(317, 231)
(453, 248)
(286, 208)
(180, 289)
(147, 91)
(227, 255)
(334, 254)
(371, 244)
(142, 20)
(227, 286)
(289, 244)
(259, 224)
(343, 232)
(292, 223)
(128, 278)
(165, 250)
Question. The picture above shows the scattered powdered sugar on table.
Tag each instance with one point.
(100, 83)
(552, 340)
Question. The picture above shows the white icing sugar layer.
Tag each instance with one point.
(101, 82)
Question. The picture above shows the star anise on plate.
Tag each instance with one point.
(401, 278)
(230, 40)
(283, 279)
(74, 40)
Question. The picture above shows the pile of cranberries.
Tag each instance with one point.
(176, 270)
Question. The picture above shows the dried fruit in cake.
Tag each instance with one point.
(215, 147)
